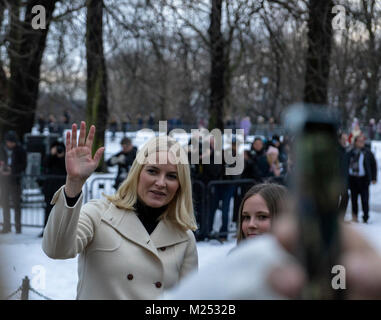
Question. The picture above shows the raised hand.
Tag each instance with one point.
(78, 159)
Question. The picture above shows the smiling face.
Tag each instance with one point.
(158, 183)
(256, 217)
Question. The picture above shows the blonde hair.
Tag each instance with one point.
(180, 209)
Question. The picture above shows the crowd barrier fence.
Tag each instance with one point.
(33, 200)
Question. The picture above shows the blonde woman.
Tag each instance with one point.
(136, 243)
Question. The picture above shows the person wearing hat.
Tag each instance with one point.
(123, 160)
(12, 164)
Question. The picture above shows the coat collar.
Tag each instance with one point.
(128, 225)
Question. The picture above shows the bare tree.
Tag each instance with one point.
(218, 67)
(369, 16)
(319, 51)
(96, 109)
(25, 51)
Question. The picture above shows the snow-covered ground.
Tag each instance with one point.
(21, 255)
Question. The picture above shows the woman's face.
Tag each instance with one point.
(158, 183)
(258, 145)
(256, 218)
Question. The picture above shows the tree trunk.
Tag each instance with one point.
(96, 109)
(26, 49)
(217, 73)
(3, 77)
(372, 77)
(319, 50)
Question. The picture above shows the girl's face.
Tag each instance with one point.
(158, 183)
(256, 218)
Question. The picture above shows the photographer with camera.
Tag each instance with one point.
(54, 175)
(123, 160)
(12, 164)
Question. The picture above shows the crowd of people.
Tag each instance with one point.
(50, 124)
(139, 243)
(152, 216)
(266, 160)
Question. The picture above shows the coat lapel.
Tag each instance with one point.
(166, 234)
(128, 225)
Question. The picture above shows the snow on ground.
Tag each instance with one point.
(24, 257)
(21, 255)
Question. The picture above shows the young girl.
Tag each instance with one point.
(259, 207)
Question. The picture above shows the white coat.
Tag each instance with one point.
(118, 259)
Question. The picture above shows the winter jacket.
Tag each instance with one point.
(124, 162)
(18, 161)
(212, 171)
(242, 275)
(54, 175)
(118, 259)
(370, 164)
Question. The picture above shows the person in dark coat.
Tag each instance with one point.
(212, 172)
(12, 165)
(344, 165)
(123, 160)
(233, 190)
(253, 167)
(252, 164)
(41, 123)
(54, 171)
(362, 171)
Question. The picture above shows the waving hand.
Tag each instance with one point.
(80, 163)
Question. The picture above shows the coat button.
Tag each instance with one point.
(163, 248)
(158, 284)
(130, 277)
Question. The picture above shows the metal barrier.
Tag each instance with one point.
(210, 198)
(33, 200)
(25, 289)
(32, 203)
(96, 185)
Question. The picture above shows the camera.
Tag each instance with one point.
(60, 149)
